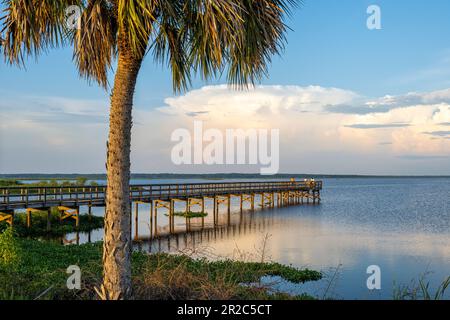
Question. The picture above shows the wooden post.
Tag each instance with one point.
(131, 218)
(252, 199)
(151, 218)
(156, 220)
(136, 220)
(90, 212)
(188, 208)
(229, 209)
(214, 210)
(77, 217)
(171, 216)
(28, 218)
(262, 200)
(203, 211)
(49, 214)
(241, 203)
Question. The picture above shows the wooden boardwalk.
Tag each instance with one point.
(68, 200)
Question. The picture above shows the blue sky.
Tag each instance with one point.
(329, 47)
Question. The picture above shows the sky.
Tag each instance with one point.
(346, 100)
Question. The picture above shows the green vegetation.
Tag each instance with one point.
(189, 214)
(78, 181)
(420, 290)
(58, 228)
(10, 251)
(32, 269)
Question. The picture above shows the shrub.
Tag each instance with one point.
(10, 250)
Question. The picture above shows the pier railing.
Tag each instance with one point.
(38, 197)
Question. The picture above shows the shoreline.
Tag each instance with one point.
(207, 176)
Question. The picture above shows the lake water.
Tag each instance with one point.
(401, 225)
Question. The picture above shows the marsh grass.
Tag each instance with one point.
(420, 289)
(180, 277)
(36, 269)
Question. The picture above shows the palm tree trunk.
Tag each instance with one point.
(117, 238)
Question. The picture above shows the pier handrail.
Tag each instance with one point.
(32, 196)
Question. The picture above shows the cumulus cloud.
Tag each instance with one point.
(376, 136)
(307, 127)
(221, 100)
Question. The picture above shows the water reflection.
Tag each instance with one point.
(237, 226)
(401, 225)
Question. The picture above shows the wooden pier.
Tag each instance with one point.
(68, 200)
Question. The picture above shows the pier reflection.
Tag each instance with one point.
(235, 225)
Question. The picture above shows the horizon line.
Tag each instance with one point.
(78, 174)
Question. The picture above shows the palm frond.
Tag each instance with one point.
(261, 36)
(95, 41)
(31, 26)
(209, 37)
(169, 44)
(211, 28)
(135, 21)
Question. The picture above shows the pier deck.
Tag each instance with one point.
(69, 199)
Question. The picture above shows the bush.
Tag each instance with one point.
(10, 250)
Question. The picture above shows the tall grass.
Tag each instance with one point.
(421, 290)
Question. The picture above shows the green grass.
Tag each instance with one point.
(32, 268)
(58, 228)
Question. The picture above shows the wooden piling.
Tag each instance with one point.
(49, 214)
(136, 220)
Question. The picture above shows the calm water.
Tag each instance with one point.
(400, 224)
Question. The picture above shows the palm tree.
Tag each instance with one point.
(206, 37)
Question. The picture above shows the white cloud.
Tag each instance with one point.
(383, 136)
(222, 101)
(389, 127)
